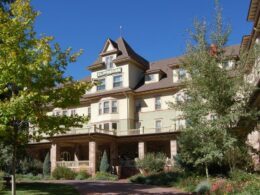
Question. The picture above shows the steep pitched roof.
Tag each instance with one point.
(125, 52)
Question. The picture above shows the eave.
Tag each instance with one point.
(253, 9)
(96, 66)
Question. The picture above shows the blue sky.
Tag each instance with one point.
(156, 29)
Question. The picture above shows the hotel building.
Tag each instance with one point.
(128, 111)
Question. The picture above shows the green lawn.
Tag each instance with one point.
(43, 189)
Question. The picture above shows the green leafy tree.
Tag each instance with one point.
(216, 98)
(104, 165)
(32, 80)
(46, 165)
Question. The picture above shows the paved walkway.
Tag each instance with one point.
(119, 187)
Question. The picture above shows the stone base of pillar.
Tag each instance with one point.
(92, 157)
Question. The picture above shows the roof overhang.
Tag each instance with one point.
(126, 59)
(96, 66)
(159, 71)
(114, 51)
(253, 9)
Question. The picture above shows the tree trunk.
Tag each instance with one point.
(14, 169)
(207, 172)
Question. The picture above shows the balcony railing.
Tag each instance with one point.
(118, 132)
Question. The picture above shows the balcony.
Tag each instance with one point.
(126, 132)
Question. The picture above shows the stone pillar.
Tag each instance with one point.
(141, 149)
(54, 155)
(92, 157)
(173, 148)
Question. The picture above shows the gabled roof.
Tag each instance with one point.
(128, 52)
(124, 51)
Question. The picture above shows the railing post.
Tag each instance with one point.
(143, 130)
(95, 128)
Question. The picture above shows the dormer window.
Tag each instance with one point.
(109, 62)
(181, 74)
(149, 77)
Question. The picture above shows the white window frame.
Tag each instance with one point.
(114, 109)
(101, 86)
(150, 77)
(157, 106)
(73, 112)
(106, 110)
(116, 83)
(158, 128)
(109, 62)
(181, 74)
(112, 125)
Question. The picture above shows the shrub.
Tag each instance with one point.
(152, 162)
(28, 177)
(203, 188)
(63, 173)
(241, 176)
(46, 165)
(1, 181)
(105, 176)
(29, 165)
(104, 165)
(161, 179)
(81, 175)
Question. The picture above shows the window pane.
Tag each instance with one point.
(101, 85)
(114, 126)
(109, 62)
(100, 108)
(181, 74)
(106, 107)
(158, 125)
(106, 126)
(114, 106)
(157, 103)
(72, 112)
(117, 81)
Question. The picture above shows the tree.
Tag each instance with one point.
(32, 80)
(46, 165)
(216, 98)
(104, 165)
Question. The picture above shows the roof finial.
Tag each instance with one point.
(121, 30)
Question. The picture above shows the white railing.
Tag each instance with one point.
(93, 129)
(73, 164)
(146, 131)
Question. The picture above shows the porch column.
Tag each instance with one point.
(141, 149)
(92, 157)
(54, 155)
(173, 148)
